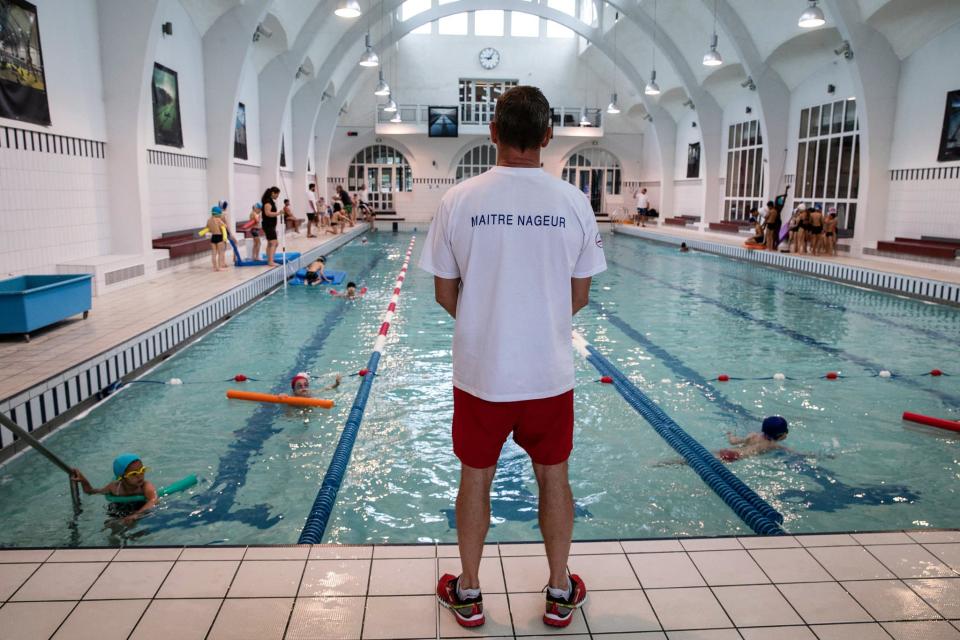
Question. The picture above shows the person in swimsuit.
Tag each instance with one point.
(800, 239)
(254, 228)
(347, 203)
(128, 471)
(816, 231)
(758, 233)
(772, 222)
(300, 384)
(684, 248)
(315, 273)
(350, 293)
(289, 219)
(215, 227)
(773, 430)
(269, 222)
(830, 232)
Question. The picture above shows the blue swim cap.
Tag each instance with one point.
(122, 461)
(775, 427)
(258, 206)
(216, 210)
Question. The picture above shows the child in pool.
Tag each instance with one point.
(215, 227)
(315, 273)
(130, 480)
(350, 292)
(300, 384)
(774, 430)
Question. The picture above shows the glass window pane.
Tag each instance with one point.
(851, 116)
(730, 133)
(488, 23)
(804, 119)
(809, 172)
(841, 215)
(825, 111)
(846, 157)
(568, 7)
(455, 25)
(759, 133)
(837, 122)
(738, 134)
(729, 184)
(748, 186)
(753, 132)
(758, 173)
(815, 121)
(832, 168)
(855, 173)
(557, 30)
(821, 168)
(851, 216)
(411, 8)
(372, 179)
(799, 191)
(524, 25)
(736, 173)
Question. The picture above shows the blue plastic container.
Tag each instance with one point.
(28, 303)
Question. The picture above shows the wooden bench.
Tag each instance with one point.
(690, 218)
(181, 243)
(915, 249)
(932, 243)
(955, 241)
(726, 227)
(677, 222)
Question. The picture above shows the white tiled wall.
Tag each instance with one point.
(247, 189)
(55, 208)
(178, 198)
(687, 198)
(924, 208)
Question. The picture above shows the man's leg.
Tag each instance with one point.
(556, 518)
(473, 520)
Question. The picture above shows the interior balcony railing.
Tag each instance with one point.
(473, 120)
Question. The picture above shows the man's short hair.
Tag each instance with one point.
(522, 117)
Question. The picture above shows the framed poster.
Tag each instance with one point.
(443, 122)
(167, 129)
(240, 133)
(950, 137)
(23, 85)
(693, 160)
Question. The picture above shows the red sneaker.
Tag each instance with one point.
(467, 613)
(560, 610)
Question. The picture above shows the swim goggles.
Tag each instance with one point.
(136, 472)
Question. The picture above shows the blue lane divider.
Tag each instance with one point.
(751, 508)
(322, 507)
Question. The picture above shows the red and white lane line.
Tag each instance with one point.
(392, 307)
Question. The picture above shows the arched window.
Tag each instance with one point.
(596, 172)
(476, 161)
(376, 173)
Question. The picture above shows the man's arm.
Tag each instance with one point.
(447, 290)
(580, 288)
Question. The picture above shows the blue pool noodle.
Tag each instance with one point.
(748, 506)
(319, 515)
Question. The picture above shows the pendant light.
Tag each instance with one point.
(613, 108)
(369, 57)
(348, 9)
(583, 118)
(391, 105)
(396, 117)
(652, 88)
(383, 89)
(713, 58)
(812, 17)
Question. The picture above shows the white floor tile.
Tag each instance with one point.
(619, 612)
(61, 581)
(889, 600)
(604, 572)
(777, 633)
(400, 617)
(252, 619)
(728, 567)
(199, 579)
(910, 561)
(756, 606)
(790, 565)
(180, 619)
(33, 620)
(823, 603)
(12, 576)
(850, 563)
(859, 631)
(922, 630)
(102, 620)
(664, 570)
(326, 619)
(943, 594)
(129, 580)
(335, 578)
(694, 608)
(267, 579)
(407, 576)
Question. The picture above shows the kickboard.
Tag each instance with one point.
(333, 277)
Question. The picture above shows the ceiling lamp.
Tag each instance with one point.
(812, 17)
(383, 89)
(396, 117)
(391, 106)
(713, 58)
(369, 57)
(652, 88)
(583, 119)
(612, 108)
(348, 9)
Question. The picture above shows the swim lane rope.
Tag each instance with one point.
(322, 507)
(749, 507)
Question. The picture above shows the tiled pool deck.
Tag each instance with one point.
(900, 585)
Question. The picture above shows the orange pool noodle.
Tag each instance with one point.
(295, 401)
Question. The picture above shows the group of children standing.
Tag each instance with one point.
(333, 218)
(809, 230)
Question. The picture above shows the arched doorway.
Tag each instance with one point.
(379, 171)
(596, 172)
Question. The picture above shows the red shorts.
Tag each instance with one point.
(543, 427)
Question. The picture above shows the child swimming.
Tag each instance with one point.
(350, 292)
(774, 430)
(129, 472)
(300, 384)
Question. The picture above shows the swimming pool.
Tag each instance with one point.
(672, 322)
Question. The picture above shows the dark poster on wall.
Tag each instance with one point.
(23, 86)
(693, 160)
(950, 138)
(283, 152)
(240, 133)
(167, 129)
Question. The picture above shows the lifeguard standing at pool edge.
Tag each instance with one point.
(512, 252)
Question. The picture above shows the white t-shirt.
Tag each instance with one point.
(312, 201)
(515, 237)
(642, 201)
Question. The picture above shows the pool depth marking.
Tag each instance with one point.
(319, 516)
(749, 507)
(950, 400)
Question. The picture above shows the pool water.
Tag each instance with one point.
(672, 322)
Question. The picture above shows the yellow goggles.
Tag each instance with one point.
(136, 472)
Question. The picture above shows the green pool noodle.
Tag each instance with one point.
(179, 485)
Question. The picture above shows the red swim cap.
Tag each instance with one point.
(302, 375)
